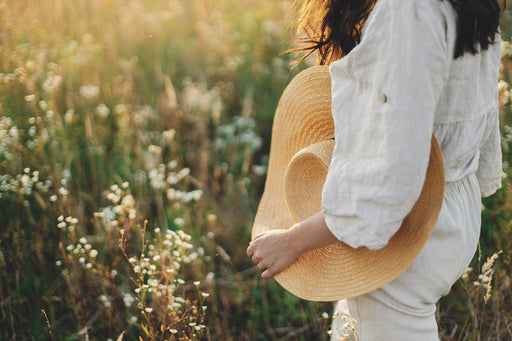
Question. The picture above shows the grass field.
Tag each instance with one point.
(134, 137)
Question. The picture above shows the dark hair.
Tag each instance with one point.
(333, 27)
(477, 24)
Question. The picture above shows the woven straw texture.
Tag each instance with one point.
(303, 118)
(305, 178)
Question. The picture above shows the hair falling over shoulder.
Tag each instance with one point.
(332, 28)
(477, 24)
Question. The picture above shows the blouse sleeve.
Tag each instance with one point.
(384, 94)
(489, 171)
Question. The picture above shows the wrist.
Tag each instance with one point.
(297, 239)
(310, 234)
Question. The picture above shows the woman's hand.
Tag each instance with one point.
(272, 252)
(275, 250)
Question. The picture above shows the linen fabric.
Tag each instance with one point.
(399, 85)
(404, 309)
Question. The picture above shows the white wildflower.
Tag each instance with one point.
(102, 111)
(68, 116)
(30, 98)
(128, 201)
(89, 92)
(179, 222)
(155, 150)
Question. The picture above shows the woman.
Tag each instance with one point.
(400, 71)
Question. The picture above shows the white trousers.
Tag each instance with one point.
(404, 309)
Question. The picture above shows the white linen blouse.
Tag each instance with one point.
(399, 85)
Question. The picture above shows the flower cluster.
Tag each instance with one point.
(9, 137)
(484, 278)
(25, 184)
(239, 132)
(197, 97)
(69, 224)
(123, 204)
(155, 258)
(236, 143)
(166, 177)
(83, 250)
(53, 81)
(156, 274)
(343, 327)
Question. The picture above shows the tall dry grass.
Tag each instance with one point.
(133, 144)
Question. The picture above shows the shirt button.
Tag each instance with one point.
(382, 98)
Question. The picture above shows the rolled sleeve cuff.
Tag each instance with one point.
(354, 232)
(489, 186)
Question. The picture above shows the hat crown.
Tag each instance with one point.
(305, 178)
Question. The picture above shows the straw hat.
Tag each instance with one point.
(300, 152)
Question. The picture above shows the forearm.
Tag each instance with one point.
(311, 233)
(275, 250)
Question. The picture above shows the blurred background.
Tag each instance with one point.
(134, 137)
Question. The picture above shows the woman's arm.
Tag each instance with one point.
(275, 250)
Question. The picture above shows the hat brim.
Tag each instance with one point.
(303, 117)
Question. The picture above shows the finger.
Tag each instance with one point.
(259, 236)
(267, 274)
(255, 259)
(251, 249)
(261, 267)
